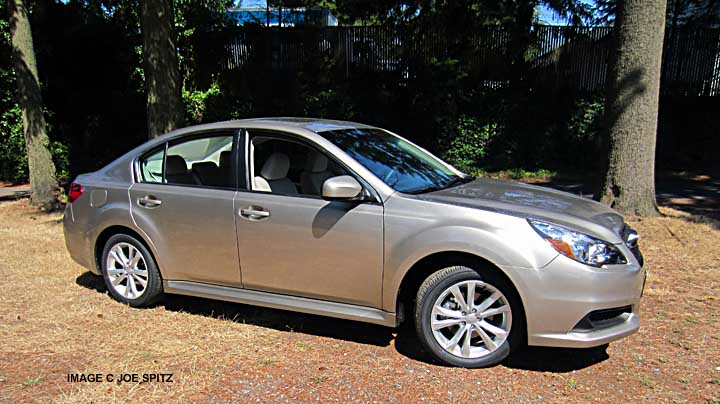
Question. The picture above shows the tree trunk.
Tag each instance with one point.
(162, 75)
(632, 108)
(42, 169)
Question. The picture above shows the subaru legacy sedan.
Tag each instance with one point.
(352, 221)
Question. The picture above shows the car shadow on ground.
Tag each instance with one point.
(404, 338)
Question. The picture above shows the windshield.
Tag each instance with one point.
(400, 164)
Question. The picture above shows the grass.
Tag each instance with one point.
(57, 319)
(265, 362)
(33, 381)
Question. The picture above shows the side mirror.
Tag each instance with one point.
(342, 187)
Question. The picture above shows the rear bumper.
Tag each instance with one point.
(560, 297)
(76, 241)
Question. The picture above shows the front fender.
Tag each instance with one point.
(503, 240)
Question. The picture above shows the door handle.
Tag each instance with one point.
(254, 212)
(149, 201)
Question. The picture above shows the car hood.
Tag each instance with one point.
(534, 202)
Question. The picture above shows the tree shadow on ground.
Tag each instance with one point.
(694, 193)
(13, 195)
(405, 340)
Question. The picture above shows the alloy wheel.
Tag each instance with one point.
(471, 319)
(127, 270)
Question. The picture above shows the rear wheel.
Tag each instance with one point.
(466, 318)
(130, 272)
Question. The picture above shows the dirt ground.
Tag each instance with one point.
(56, 319)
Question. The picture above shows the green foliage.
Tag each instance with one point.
(13, 156)
(61, 157)
(328, 103)
(586, 120)
(13, 160)
(196, 102)
(514, 173)
(470, 146)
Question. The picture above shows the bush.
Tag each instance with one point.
(13, 161)
(196, 102)
(60, 153)
(470, 145)
(586, 120)
(13, 157)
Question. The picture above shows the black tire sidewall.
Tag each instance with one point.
(153, 290)
(425, 330)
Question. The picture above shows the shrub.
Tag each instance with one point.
(13, 161)
(196, 102)
(471, 142)
(585, 122)
(61, 157)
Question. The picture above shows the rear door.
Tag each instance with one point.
(183, 200)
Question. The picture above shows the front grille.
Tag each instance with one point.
(600, 319)
(630, 238)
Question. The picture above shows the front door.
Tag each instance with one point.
(184, 203)
(293, 242)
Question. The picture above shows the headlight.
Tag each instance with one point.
(578, 246)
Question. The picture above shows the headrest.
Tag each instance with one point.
(204, 167)
(225, 159)
(317, 162)
(175, 165)
(276, 166)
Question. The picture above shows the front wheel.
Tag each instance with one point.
(130, 272)
(466, 318)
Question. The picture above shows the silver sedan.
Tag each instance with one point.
(351, 221)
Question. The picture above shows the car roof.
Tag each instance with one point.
(313, 124)
(274, 123)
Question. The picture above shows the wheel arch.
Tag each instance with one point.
(112, 230)
(429, 264)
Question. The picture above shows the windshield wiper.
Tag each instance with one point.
(459, 180)
(455, 182)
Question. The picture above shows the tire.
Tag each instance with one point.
(125, 281)
(437, 303)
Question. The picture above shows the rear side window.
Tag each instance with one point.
(200, 161)
(151, 167)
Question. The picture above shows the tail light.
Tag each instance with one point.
(76, 190)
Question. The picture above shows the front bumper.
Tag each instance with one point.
(579, 339)
(560, 298)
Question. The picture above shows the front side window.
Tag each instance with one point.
(287, 167)
(397, 162)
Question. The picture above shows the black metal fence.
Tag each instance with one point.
(560, 57)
